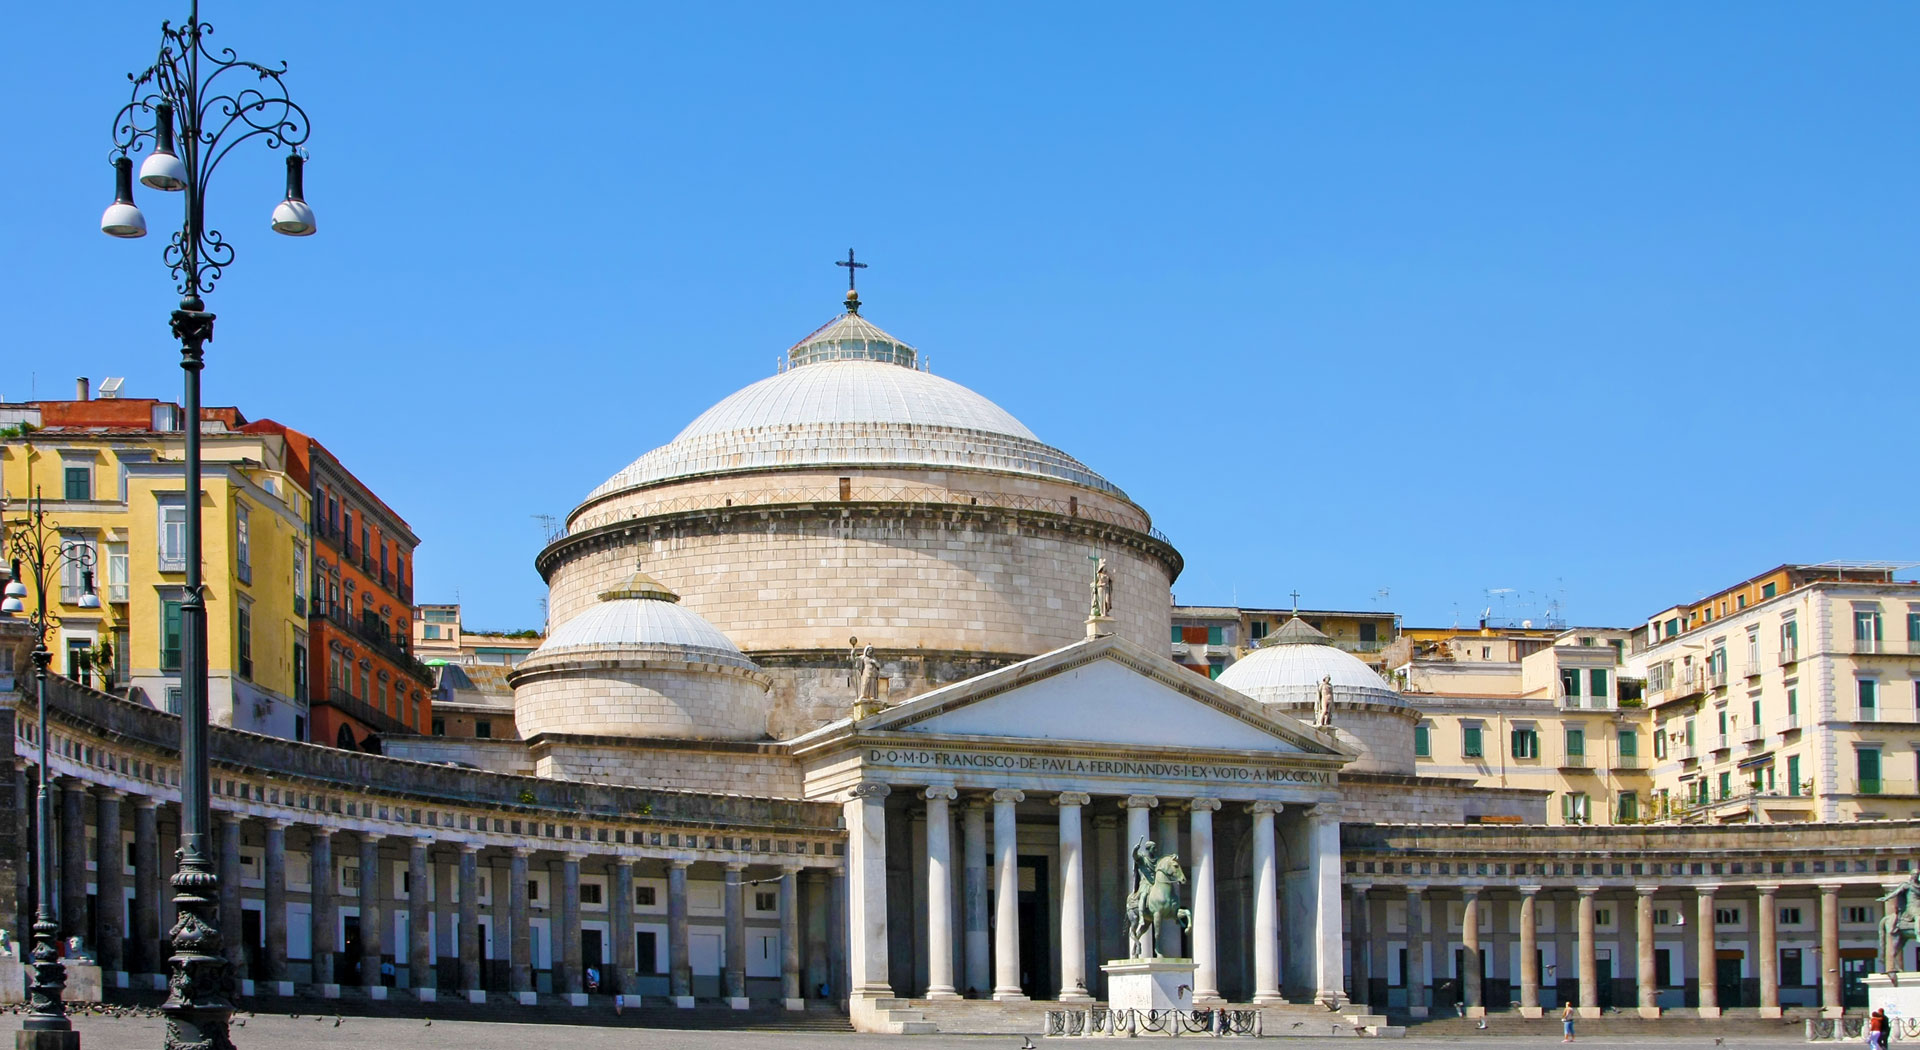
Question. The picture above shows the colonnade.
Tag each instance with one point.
(443, 946)
(1704, 924)
(983, 955)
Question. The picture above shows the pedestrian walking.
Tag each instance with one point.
(1566, 1023)
(1877, 1027)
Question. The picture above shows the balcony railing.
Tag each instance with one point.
(1751, 670)
(1717, 679)
(1684, 683)
(1787, 724)
(1722, 742)
(1686, 752)
(1886, 786)
(1627, 764)
(117, 593)
(1752, 734)
(1901, 714)
(352, 705)
(1885, 647)
(377, 638)
(1789, 654)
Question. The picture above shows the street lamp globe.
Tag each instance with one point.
(162, 169)
(122, 219)
(293, 216)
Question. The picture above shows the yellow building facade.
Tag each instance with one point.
(120, 492)
(1797, 702)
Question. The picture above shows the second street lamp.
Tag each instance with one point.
(194, 105)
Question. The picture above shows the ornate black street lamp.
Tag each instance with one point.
(194, 105)
(36, 549)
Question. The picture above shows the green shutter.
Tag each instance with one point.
(1867, 760)
(1176, 634)
(1793, 774)
(1596, 682)
(1629, 743)
(170, 636)
(1576, 743)
(1471, 743)
(1422, 742)
(1213, 636)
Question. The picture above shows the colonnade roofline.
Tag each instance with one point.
(350, 795)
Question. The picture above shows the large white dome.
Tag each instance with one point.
(854, 396)
(1289, 666)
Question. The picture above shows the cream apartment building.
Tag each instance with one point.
(1790, 697)
(1555, 714)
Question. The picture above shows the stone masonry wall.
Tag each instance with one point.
(985, 584)
(616, 698)
(761, 774)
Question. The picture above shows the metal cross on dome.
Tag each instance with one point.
(851, 268)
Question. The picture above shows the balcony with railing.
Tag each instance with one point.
(1685, 682)
(1627, 764)
(118, 593)
(372, 631)
(1752, 734)
(1750, 670)
(1787, 724)
(1885, 647)
(353, 706)
(1789, 654)
(1721, 742)
(1897, 714)
(1717, 679)
(1890, 787)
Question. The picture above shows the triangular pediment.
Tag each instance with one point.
(1106, 691)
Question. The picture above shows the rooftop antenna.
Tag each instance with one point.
(1381, 595)
(549, 526)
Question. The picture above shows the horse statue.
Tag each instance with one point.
(1902, 924)
(1155, 896)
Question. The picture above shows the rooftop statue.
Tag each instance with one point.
(1902, 924)
(1102, 604)
(1323, 704)
(866, 672)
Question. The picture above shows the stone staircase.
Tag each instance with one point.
(1675, 1023)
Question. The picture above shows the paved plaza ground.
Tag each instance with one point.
(356, 1033)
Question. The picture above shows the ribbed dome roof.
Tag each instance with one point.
(1291, 670)
(853, 397)
(643, 615)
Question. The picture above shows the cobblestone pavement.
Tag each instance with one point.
(357, 1033)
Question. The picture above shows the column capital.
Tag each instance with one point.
(1470, 893)
(1767, 890)
(1830, 890)
(470, 847)
(1531, 891)
(523, 852)
(105, 792)
(1265, 806)
(1359, 889)
(1009, 795)
(1072, 798)
(940, 793)
(791, 869)
(871, 789)
(1142, 801)
(272, 823)
(1646, 891)
(735, 867)
(1417, 889)
(423, 841)
(1711, 888)
(1586, 891)
(1203, 805)
(573, 856)
(680, 861)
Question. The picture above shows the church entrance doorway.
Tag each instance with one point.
(1036, 947)
(1726, 974)
(590, 964)
(346, 965)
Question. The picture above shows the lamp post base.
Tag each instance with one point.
(68, 1040)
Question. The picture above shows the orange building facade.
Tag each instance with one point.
(364, 681)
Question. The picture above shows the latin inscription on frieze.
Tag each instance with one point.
(1093, 765)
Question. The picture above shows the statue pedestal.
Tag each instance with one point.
(1897, 993)
(1149, 984)
(1099, 626)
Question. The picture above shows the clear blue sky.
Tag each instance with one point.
(1615, 301)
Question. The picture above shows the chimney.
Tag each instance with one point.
(80, 389)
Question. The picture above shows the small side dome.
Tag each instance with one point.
(637, 664)
(1286, 672)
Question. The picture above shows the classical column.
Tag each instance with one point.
(419, 947)
(1139, 820)
(940, 892)
(1206, 953)
(839, 935)
(372, 933)
(976, 949)
(790, 940)
(275, 953)
(470, 945)
(1589, 958)
(866, 821)
(1266, 892)
(1708, 967)
(1323, 866)
(72, 878)
(231, 916)
(626, 974)
(519, 929)
(679, 963)
(1769, 952)
(148, 956)
(572, 982)
(1471, 991)
(1168, 939)
(1361, 938)
(110, 896)
(1006, 897)
(1830, 1002)
(1529, 951)
(736, 962)
(320, 910)
(1416, 975)
(1073, 902)
(1648, 977)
